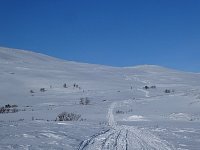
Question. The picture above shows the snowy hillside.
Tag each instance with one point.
(128, 108)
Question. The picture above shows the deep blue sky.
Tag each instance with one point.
(109, 32)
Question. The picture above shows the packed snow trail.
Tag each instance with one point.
(111, 120)
(145, 91)
(123, 138)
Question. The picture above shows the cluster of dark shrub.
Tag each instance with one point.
(65, 116)
(169, 91)
(119, 112)
(64, 86)
(75, 85)
(103, 123)
(9, 109)
(42, 89)
(149, 87)
(84, 101)
(123, 112)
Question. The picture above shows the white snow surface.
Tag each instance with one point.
(121, 114)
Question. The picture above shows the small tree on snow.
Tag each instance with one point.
(65, 85)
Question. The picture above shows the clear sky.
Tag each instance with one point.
(108, 32)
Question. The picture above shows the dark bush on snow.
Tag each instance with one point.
(65, 116)
(31, 91)
(151, 87)
(65, 85)
(146, 87)
(84, 101)
(167, 91)
(75, 85)
(8, 106)
(119, 112)
(8, 109)
(42, 90)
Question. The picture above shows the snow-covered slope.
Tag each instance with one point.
(121, 113)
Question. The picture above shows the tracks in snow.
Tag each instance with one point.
(111, 119)
(124, 137)
(145, 91)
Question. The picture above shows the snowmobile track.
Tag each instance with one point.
(121, 137)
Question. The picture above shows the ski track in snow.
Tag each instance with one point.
(121, 137)
(145, 91)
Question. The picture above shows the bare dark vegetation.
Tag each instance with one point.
(65, 116)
